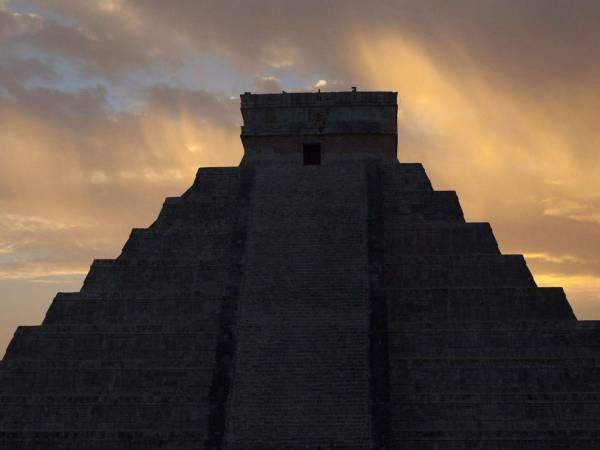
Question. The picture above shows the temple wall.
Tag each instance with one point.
(348, 125)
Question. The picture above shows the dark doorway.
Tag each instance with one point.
(312, 154)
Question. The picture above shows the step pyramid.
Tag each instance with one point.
(320, 295)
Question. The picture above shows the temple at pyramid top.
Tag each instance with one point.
(319, 127)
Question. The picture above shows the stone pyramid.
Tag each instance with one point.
(321, 295)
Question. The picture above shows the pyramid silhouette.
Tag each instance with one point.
(320, 295)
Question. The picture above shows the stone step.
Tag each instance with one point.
(401, 177)
(49, 342)
(219, 182)
(419, 206)
(493, 374)
(155, 438)
(162, 379)
(179, 212)
(473, 343)
(440, 304)
(550, 438)
(103, 416)
(159, 278)
(84, 399)
(74, 308)
(101, 364)
(495, 415)
(548, 327)
(200, 244)
(475, 304)
(119, 328)
(540, 437)
(483, 362)
(412, 338)
(454, 238)
(469, 398)
(453, 271)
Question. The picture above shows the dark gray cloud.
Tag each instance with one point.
(523, 40)
(266, 84)
(200, 103)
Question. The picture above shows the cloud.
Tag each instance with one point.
(33, 247)
(16, 25)
(559, 259)
(71, 167)
(583, 210)
(15, 71)
(268, 84)
(198, 103)
(108, 106)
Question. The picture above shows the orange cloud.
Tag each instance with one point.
(478, 134)
(499, 103)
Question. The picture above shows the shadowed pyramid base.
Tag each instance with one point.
(281, 306)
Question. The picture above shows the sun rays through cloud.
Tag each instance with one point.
(107, 107)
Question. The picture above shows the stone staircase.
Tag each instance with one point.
(301, 373)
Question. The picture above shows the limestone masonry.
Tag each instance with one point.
(321, 295)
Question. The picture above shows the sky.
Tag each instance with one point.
(108, 106)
